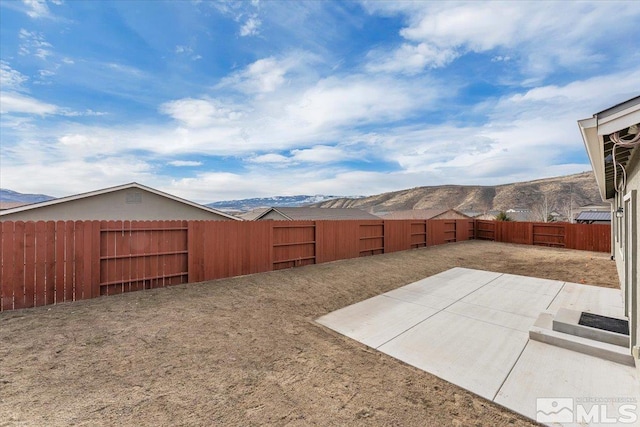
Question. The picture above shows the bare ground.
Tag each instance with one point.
(245, 351)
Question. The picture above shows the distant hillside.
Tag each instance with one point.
(13, 196)
(245, 205)
(558, 192)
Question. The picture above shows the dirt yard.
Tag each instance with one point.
(246, 351)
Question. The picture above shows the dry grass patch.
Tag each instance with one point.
(245, 351)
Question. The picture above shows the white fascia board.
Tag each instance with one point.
(595, 149)
(618, 121)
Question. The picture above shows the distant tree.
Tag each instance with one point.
(502, 216)
(566, 208)
(542, 211)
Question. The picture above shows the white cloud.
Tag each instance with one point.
(251, 26)
(264, 75)
(183, 49)
(358, 99)
(10, 78)
(197, 113)
(37, 8)
(270, 158)
(447, 30)
(73, 175)
(320, 154)
(13, 102)
(86, 113)
(410, 58)
(34, 43)
(607, 88)
(184, 163)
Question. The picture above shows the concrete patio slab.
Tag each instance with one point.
(461, 355)
(376, 320)
(528, 304)
(420, 298)
(470, 328)
(452, 283)
(527, 284)
(489, 315)
(546, 371)
(594, 299)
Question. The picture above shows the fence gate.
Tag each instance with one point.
(294, 244)
(138, 255)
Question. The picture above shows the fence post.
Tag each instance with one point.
(95, 259)
(531, 233)
(195, 250)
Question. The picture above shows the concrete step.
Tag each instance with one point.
(542, 330)
(566, 321)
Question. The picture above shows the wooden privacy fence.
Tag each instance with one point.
(586, 237)
(51, 262)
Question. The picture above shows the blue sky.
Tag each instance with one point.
(224, 100)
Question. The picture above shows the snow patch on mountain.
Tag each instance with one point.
(245, 205)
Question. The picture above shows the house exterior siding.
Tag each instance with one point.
(626, 245)
(611, 140)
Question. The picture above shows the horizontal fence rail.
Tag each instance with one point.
(51, 262)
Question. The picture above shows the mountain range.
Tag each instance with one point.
(15, 197)
(245, 205)
(560, 194)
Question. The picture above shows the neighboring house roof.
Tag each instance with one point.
(520, 216)
(133, 185)
(252, 215)
(425, 214)
(11, 205)
(597, 132)
(594, 216)
(599, 207)
(305, 213)
(488, 215)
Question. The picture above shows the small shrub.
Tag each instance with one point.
(502, 216)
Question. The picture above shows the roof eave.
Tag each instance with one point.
(595, 149)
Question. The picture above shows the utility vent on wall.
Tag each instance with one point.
(134, 198)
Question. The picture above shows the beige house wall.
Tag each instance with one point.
(127, 204)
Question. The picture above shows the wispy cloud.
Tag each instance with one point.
(34, 43)
(197, 113)
(263, 75)
(251, 26)
(184, 163)
(10, 79)
(13, 102)
(37, 8)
